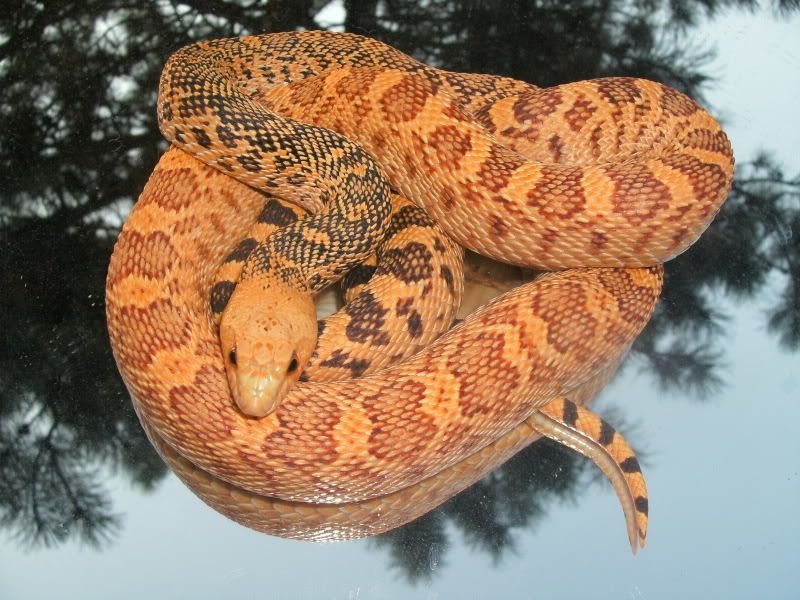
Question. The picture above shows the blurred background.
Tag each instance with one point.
(707, 396)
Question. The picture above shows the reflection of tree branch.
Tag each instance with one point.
(748, 243)
(740, 184)
(490, 513)
(694, 370)
(765, 184)
(44, 444)
(60, 496)
(479, 513)
(417, 549)
(56, 465)
(72, 160)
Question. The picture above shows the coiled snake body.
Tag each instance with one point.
(607, 173)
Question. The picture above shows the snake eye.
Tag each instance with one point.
(232, 356)
(293, 365)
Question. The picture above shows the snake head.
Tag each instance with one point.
(268, 332)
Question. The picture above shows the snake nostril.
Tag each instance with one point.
(293, 365)
(232, 356)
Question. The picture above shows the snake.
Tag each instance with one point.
(597, 182)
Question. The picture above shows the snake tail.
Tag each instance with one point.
(585, 432)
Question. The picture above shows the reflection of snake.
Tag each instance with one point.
(618, 172)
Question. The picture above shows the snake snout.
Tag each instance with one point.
(261, 375)
(260, 391)
(267, 334)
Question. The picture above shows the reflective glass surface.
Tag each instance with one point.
(707, 396)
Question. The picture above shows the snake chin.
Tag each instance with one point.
(267, 333)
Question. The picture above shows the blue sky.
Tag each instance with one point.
(724, 519)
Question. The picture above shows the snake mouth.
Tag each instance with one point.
(260, 394)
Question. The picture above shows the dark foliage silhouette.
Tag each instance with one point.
(78, 83)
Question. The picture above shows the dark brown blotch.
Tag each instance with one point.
(276, 213)
(367, 319)
(568, 336)
(242, 251)
(534, 108)
(498, 168)
(405, 308)
(580, 113)
(399, 433)
(451, 145)
(407, 216)
(163, 186)
(477, 385)
(155, 252)
(676, 103)
(555, 145)
(638, 194)
(447, 275)
(358, 275)
(221, 295)
(642, 504)
(341, 359)
(559, 193)
(410, 264)
(607, 433)
(249, 163)
(414, 324)
(202, 137)
(630, 465)
(498, 226)
(226, 135)
(404, 100)
(618, 90)
(570, 414)
(599, 240)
